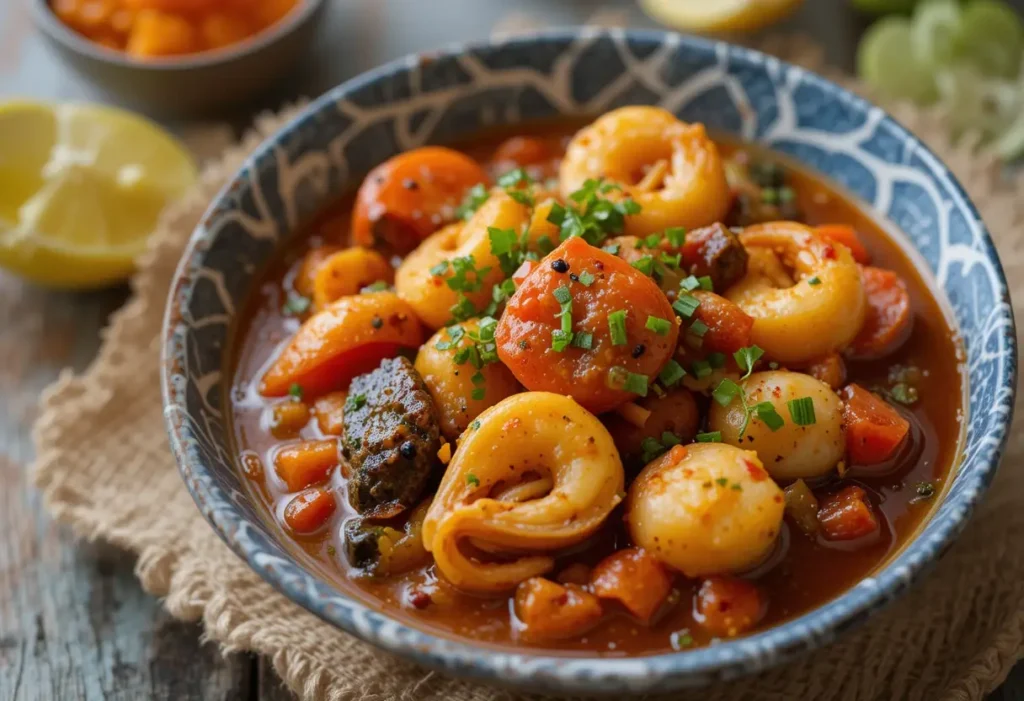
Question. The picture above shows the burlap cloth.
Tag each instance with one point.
(105, 467)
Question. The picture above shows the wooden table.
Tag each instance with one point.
(74, 623)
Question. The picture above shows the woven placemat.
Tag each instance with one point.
(105, 467)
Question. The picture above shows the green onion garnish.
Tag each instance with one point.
(709, 437)
(686, 305)
(672, 373)
(766, 412)
(658, 325)
(617, 326)
(802, 411)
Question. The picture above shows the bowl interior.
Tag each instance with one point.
(442, 97)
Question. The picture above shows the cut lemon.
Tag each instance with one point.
(81, 187)
(719, 15)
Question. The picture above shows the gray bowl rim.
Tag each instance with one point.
(580, 674)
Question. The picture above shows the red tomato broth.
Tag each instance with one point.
(804, 573)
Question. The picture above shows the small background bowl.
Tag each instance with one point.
(448, 95)
(187, 86)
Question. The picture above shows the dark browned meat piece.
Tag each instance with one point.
(715, 251)
(391, 438)
(362, 547)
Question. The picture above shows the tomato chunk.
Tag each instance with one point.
(407, 198)
(309, 511)
(307, 463)
(847, 236)
(727, 606)
(889, 320)
(728, 325)
(626, 321)
(538, 154)
(831, 370)
(874, 429)
(847, 515)
(550, 611)
(634, 578)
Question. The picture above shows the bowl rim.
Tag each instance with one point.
(522, 668)
(52, 26)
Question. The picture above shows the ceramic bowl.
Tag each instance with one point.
(446, 95)
(187, 86)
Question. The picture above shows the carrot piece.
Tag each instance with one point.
(874, 429)
(289, 418)
(307, 463)
(549, 611)
(847, 236)
(347, 272)
(847, 515)
(634, 578)
(727, 606)
(305, 277)
(408, 197)
(156, 34)
(525, 151)
(596, 377)
(330, 413)
(889, 320)
(346, 339)
(728, 325)
(309, 511)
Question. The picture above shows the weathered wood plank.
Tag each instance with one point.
(74, 622)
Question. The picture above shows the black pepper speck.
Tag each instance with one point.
(559, 266)
(639, 350)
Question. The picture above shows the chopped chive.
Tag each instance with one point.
(769, 417)
(637, 384)
(296, 305)
(680, 639)
(671, 261)
(650, 449)
(478, 393)
(698, 328)
(379, 286)
(582, 339)
(672, 373)
(612, 248)
(658, 325)
(295, 391)
(563, 295)
(676, 235)
(475, 425)
(669, 439)
(814, 280)
(903, 393)
(709, 437)
(617, 327)
(686, 305)
(705, 283)
(690, 283)
(472, 480)
(586, 278)
(355, 402)
(802, 411)
(722, 481)
(439, 269)
(645, 265)
(716, 360)
(925, 490)
(701, 369)
(651, 240)
(560, 340)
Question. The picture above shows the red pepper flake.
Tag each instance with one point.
(829, 253)
(757, 472)
(420, 599)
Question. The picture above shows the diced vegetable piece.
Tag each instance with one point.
(289, 418)
(889, 319)
(847, 236)
(156, 34)
(847, 515)
(831, 370)
(310, 266)
(874, 429)
(728, 325)
(330, 413)
(347, 272)
(387, 551)
(550, 611)
(634, 578)
(342, 341)
(307, 463)
(727, 606)
(310, 510)
(802, 506)
(525, 151)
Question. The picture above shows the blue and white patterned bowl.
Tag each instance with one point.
(455, 92)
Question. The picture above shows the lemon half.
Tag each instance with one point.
(81, 188)
(719, 15)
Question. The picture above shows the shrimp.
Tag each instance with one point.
(821, 312)
(670, 168)
(533, 436)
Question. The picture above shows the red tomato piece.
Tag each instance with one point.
(634, 578)
(550, 611)
(728, 325)
(847, 236)
(847, 515)
(889, 320)
(310, 510)
(727, 606)
(874, 429)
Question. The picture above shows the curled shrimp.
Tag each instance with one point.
(670, 168)
(538, 474)
(806, 295)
